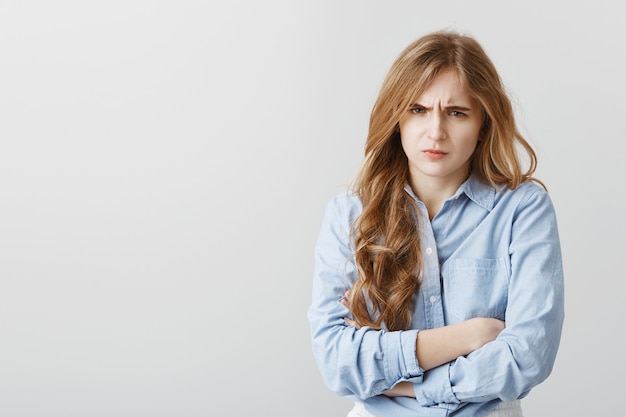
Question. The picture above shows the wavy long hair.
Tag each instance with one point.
(386, 235)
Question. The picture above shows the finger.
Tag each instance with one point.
(350, 321)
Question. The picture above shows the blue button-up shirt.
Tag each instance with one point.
(487, 253)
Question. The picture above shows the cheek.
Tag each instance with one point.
(410, 134)
(405, 145)
(408, 142)
(471, 137)
(471, 144)
(403, 136)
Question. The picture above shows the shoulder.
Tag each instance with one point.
(501, 196)
(346, 205)
(524, 193)
(341, 212)
(531, 191)
(528, 201)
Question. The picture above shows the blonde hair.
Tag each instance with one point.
(386, 234)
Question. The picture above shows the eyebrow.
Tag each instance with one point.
(448, 108)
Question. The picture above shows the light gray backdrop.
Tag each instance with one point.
(164, 166)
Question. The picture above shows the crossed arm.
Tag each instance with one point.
(434, 347)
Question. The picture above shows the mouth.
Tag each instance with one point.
(434, 154)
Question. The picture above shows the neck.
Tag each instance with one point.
(434, 191)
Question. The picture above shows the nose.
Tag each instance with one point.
(436, 130)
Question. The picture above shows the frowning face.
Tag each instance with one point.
(440, 132)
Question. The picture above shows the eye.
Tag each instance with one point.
(456, 113)
(417, 110)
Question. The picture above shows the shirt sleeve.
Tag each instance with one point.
(360, 363)
(523, 355)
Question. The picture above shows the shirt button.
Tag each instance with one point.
(433, 299)
(429, 251)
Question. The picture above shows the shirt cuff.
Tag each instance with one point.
(402, 365)
(435, 387)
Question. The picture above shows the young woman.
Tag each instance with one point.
(438, 283)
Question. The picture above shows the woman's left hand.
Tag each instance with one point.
(345, 301)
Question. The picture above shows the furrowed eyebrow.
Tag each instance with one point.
(458, 108)
(447, 108)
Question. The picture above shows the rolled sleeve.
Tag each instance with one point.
(400, 359)
(438, 390)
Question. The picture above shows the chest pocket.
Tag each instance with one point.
(475, 288)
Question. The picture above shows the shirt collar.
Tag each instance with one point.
(476, 190)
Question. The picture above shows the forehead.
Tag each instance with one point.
(446, 88)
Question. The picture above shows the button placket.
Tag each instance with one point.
(431, 286)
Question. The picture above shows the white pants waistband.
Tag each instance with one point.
(505, 409)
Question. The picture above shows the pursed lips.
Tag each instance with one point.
(434, 153)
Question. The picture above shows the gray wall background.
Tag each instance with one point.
(164, 166)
